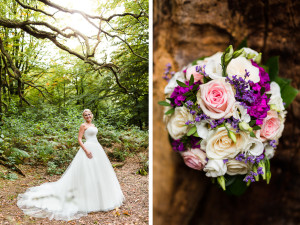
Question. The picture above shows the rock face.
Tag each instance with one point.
(187, 30)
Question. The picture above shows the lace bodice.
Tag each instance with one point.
(90, 134)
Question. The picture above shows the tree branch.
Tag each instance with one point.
(34, 9)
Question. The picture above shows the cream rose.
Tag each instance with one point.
(272, 126)
(173, 82)
(176, 124)
(235, 167)
(238, 66)
(216, 99)
(215, 168)
(193, 71)
(194, 158)
(219, 146)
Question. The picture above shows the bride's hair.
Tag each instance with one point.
(87, 110)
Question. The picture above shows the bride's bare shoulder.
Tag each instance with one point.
(82, 126)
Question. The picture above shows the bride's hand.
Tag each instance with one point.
(89, 154)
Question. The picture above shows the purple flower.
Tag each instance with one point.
(177, 145)
(167, 72)
(260, 170)
(273, 143)
(189, 103)
(194, 141)
(264, 78)
(193, 112)
(178, 93)
(225, 161)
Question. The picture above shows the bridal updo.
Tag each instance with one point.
(87, 110)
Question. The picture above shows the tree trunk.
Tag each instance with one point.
(185, 30)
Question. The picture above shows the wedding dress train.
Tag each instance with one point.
(87, 185)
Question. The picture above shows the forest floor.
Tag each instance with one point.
(134, 210)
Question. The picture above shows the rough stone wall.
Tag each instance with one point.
(185, 30)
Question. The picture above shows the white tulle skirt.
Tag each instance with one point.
(88, 185)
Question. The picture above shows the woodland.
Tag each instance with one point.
(58, 58)
(184, 31)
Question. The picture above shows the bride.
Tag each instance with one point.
(89, 184)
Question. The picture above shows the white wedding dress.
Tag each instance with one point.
(88, 185)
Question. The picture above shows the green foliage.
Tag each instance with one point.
(144, 165)
(48, 136)
(53, 169)
(9, 176)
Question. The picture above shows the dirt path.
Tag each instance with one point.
(134, 210)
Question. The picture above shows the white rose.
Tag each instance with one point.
(216, 57)
(240, 112)
(214, 69)
(269, 151)
(254, 146)
(235, 167)
(172, 82)
(176, 124)
(219, 146)
(202, 129)
(215, 168)
(238, 66)
(275, 99)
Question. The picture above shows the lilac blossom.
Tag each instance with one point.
(273, 143)
(250, 96)
(167, 72)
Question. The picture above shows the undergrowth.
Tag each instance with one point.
(48, 136)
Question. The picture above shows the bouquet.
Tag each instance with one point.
(225, 114)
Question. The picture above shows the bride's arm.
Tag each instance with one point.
(80, 134)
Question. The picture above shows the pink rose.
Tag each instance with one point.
(272, 126)
(216, 99)
(194, 158)
(192, 71)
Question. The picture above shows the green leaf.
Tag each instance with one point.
(256, 128)
(237, 53)
(288, 93)
(206, 79)
(191, 80)
(181, 84)
(187, 94)
(243, 44)
(273, 63)
(192, 131)
(262, 90)
(195, 87)
(237, 187)
(229, 180)
(252, 123)
(195, 134)
(170, 111)
(163, 103)
(252, 134)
